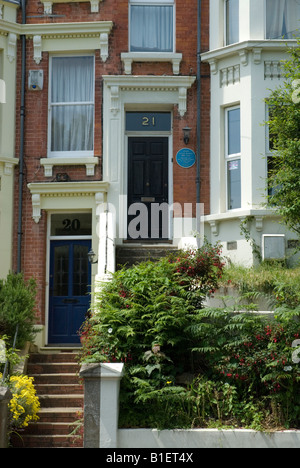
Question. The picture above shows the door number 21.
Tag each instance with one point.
(146, 121)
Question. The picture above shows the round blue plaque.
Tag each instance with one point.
(186, 158)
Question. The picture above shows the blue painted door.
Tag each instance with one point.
(69, 298)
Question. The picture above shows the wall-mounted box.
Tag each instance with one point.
(36, 80)
(273, 246)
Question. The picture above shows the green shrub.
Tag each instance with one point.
(190, 366)
(255, 355)
(17, 303)
(151, 304)
(281, 285)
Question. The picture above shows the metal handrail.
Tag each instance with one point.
(6, 362)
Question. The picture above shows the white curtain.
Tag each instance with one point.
(72, 101)
(151, 28)
(232, 21)
(292, 18)
(283, 19)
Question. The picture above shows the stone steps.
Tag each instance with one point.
(61, 397)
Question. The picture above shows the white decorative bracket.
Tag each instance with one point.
(127, 65)
(244, 57)
(36, 207)
(259, 220)
(104, 46)
(48, 8)
(94, 6)
(213, 66)
(1, 11)
(176, 65)
(114, 99)
(37, 49)
(214, 226)
(257, 55)
(8, 168)
(11, 46)
(182, 98)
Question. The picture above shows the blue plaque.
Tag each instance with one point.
(186, 158)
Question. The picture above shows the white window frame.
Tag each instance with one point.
(231, 157)
(152, 3)
(68, 154)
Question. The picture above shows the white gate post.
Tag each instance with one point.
(101, 404)
(111, 375)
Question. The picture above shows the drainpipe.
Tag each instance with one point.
(22, 133)
(198, 183)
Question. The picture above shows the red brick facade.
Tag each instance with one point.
(34, 235)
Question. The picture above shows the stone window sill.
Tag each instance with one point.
(129, 57)
(48, 5)
(49, 163)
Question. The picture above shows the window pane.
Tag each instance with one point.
(232, 21)
(80, 270)
(72, 79)
(61, 271)
(234, 184)
(72, 128)
(151, 28)
(72, 104)
(283, 19)
(234, 131)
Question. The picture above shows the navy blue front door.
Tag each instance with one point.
(69, 298)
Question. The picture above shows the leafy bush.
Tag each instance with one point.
(150, 304)
(17, 302)
(254, 355)
(189, 366)
(281, 285)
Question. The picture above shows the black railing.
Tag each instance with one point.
(7, 361)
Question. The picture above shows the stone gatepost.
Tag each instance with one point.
(101, 404)
(5, 396)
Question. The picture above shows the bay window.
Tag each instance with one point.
(151, 26)
(233, 158)
(232, 21)
(282, 19)
(71, 126)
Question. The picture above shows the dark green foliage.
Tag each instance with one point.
(17, 307)
(284, 125)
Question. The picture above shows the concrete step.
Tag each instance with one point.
(61, 401)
